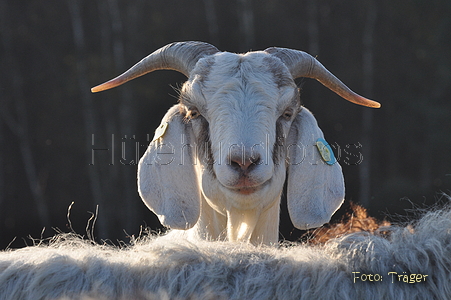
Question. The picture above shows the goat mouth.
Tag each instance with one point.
(246, 190)
(245, 185)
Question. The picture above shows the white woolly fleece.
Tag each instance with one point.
(165, 268)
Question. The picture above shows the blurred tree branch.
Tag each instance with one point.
(367, 114)
(19, 124)
(78, 35)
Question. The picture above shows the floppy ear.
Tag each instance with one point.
(167, 181)
(315, 188)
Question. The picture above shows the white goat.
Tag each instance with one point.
(412, 262)
(218, 161)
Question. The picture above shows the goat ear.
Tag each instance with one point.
(315, 188)
(167, 181)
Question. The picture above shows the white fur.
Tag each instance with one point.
(168, 268)
(241, 98)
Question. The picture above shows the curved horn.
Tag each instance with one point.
(302, 64)
(181, 57)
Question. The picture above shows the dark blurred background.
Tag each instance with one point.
(53, 51)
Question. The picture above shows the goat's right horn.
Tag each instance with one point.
(302, 64)
(181, 57)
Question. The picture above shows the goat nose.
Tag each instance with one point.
(244, 162)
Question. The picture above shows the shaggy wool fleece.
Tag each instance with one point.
(165, 267)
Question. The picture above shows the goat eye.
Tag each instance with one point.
(192, 113)
(287, 114)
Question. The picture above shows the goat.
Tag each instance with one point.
(219, 160)
(404, 262)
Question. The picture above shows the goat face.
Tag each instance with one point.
(238, 130)
(238, 107)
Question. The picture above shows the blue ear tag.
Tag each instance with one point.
(159, 132)
(326, 151)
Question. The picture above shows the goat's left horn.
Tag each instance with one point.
(302, 64)
(181, 57)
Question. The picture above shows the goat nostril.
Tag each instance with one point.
(236, 165)
(244, 164)
(255, 160)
